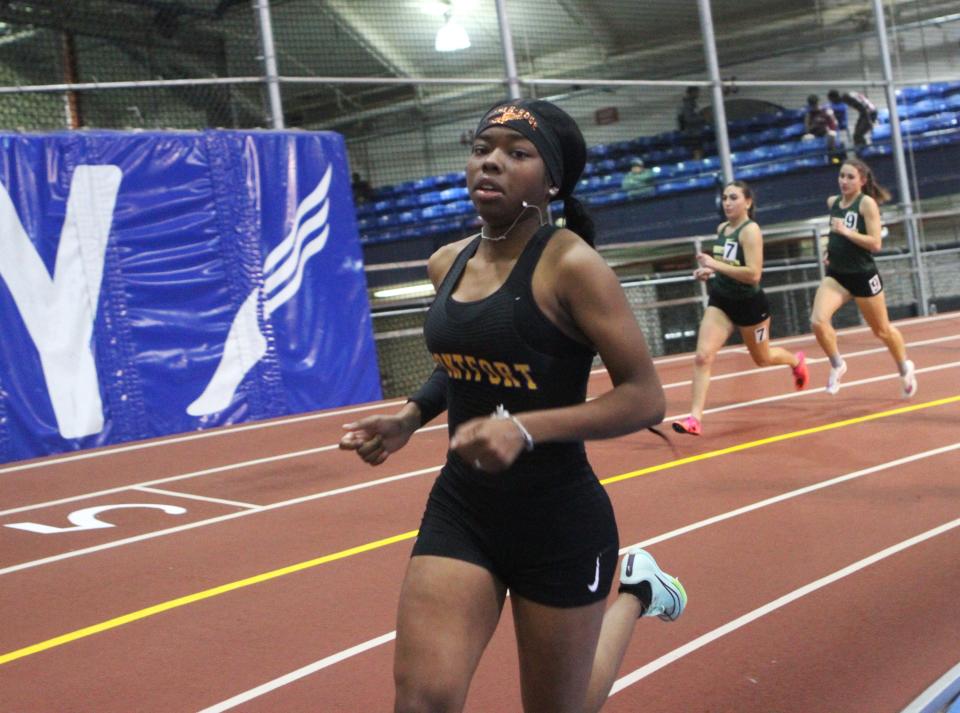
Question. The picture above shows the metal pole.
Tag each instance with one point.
(899, 163)
(270, 63)
(509, 58)
(719, 112)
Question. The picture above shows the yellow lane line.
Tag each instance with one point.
(199, 596)
(343, 554)
(781, 437)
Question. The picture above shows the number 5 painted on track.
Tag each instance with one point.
(86, 519)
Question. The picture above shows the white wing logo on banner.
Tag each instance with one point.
(59, 310)
(283, 271)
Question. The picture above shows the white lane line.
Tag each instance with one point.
(623, 682)
(298, 674)
(810, 360)
(792, 494)
(807, 337)
(701, 641)
(436, 427)
(232, 430)
(212, 521)
(191, 496)
(338, 491)
(192, 474)
(227, 431)
(171, 479)
(806, 392)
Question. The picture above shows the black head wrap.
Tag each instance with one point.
(554, 133)
(560, 144)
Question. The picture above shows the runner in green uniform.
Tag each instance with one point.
(855, 234)
(736, 301)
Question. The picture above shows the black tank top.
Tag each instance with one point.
(502, 349)
(845, 255)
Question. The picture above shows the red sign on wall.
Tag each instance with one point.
(606, 115)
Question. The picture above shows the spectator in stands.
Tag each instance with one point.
(866, 114)
(690, 122)
(819, 121)
(522, 309)
(737, 302)
(362, 190)
(638, 180)
(855, 235)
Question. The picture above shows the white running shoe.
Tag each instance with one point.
(909, 380)
(833, 381)
(667, 596)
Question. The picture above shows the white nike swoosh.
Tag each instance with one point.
(596, 578)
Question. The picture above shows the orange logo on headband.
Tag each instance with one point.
(514, 113)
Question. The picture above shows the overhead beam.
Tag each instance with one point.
(78, 20)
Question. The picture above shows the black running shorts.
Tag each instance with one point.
(743, 312)
(859, 284)
(555, 546)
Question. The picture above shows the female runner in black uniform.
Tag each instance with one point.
(855, 234)
(520, 311)
(736, 302)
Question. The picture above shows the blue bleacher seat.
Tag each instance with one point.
(915, 126)
(425, 184)
(685, 184)
(406, 187)
(761, 146)
(950, 137)
(438, 227)
(913, 94)
(429, 198)
(408, 232)
(792, 131)
(946, 120)
(606, 198)
(665, 171)
(876, 150)
(406, 202)
(454, 194)
(458, 208)
(433, 211)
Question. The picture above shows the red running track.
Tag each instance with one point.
(816, 535)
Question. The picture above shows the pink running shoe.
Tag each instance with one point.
(801, 377)
(689, 425)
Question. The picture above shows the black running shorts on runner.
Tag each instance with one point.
(554, 546)
(743, 312)
(859, 284)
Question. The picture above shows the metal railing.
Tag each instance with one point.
(669, 304)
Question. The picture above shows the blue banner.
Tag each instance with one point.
(155, 283)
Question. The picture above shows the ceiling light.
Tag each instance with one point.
(451, 37)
